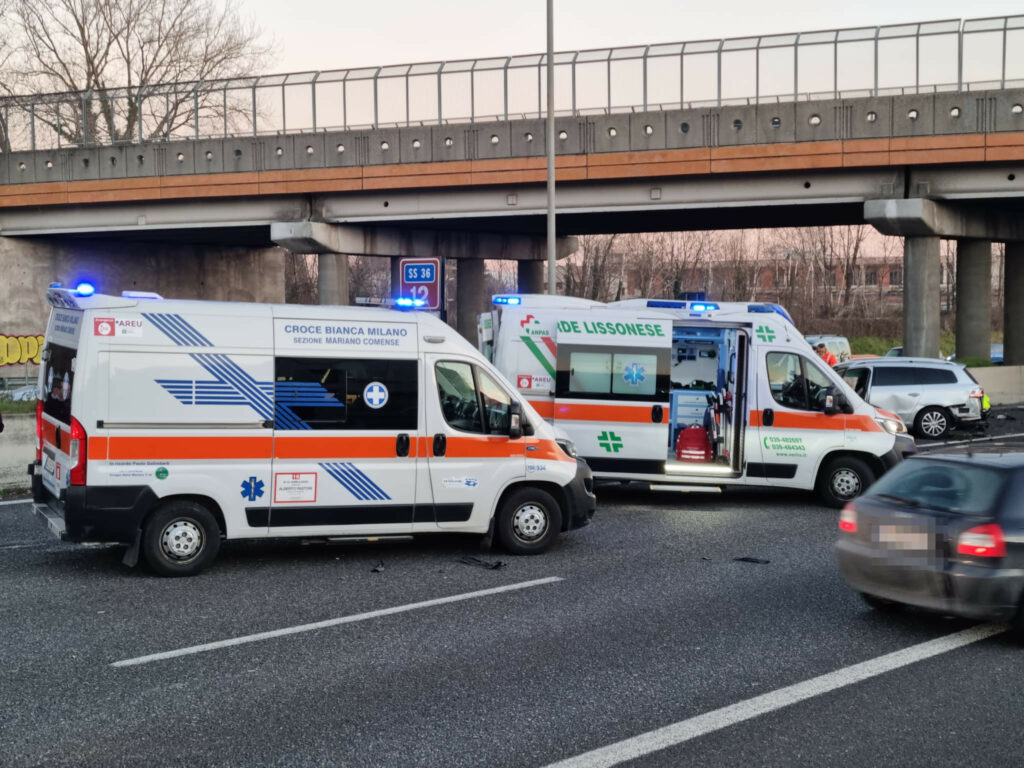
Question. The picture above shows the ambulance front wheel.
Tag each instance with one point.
(528, 521)
(180, 539)
(842, 479)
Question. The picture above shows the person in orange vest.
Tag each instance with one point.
(825, 355)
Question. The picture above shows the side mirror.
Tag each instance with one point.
(836, 402)
(515, 420)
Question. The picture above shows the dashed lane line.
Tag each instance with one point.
(332, 622)
(694, 727)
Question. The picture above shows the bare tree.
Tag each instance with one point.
(369, 277)
(113, 52)
(594, 271)
(300, 278)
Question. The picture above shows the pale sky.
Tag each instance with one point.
(322, 34)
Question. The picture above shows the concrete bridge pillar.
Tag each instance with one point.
(1013, 305)
(921, 297)
(332, 278)
(973, 298)
(531, 276)
(470, 297)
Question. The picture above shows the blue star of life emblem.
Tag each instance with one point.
(375, 394)
(634, 374)
(252, 488)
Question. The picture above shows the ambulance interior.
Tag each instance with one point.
(706, 399)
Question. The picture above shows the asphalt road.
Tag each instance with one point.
(652, 623)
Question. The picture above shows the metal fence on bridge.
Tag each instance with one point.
(950, 55)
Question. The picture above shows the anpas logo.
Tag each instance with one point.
(531, 325)
(103, 326)
(524, 381)
(108, 326)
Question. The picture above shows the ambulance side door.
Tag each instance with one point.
(793, 430)
(471, 457)
(612, 395)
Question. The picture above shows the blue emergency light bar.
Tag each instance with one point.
(409, 303)
(770, 308)
(85, 289)
(702, 306)
(665, 304)
(511, 300)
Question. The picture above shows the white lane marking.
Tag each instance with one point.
(332, 622)
(685, 730)
(15, 501)
(972, 440)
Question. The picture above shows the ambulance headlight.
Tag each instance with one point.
(568, 447)
(893, 426)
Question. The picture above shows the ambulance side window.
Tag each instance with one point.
(612, 373)
(796, 382)
(346, 393)
(471, 400)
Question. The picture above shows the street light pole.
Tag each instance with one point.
(550, 147)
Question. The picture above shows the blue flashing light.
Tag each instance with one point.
(666, 304)
(409, 303)
(510, 300)
(85, 289)
(703, 306)
(56, 285)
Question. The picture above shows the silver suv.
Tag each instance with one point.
(930, 395)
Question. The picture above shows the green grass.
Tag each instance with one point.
(17, 406)
(879, 345)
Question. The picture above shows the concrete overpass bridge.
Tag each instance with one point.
(941, 155)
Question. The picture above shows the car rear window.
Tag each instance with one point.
(935, 376)
(950, 486)
(894, 376)
(58, 381)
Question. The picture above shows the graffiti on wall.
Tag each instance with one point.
(16, 350)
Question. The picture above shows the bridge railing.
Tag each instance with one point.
(931, 56)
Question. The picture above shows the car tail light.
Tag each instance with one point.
(848, 519)
(982, 541)
(978, 392)
(39, 430)
(79, 452)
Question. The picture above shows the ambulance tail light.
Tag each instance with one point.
(79, 452)
(848, 519)
(39, 430)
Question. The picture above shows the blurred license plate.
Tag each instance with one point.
(897, 537)
(48, 465)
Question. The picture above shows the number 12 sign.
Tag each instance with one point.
(421, 280)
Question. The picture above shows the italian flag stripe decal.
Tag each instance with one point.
(530, 345)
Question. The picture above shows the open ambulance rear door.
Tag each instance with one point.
(612, 389)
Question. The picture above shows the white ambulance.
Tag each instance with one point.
(169, 425)
(692, 395)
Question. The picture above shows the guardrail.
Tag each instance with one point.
(933, 56)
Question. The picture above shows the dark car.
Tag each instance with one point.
(941, 532)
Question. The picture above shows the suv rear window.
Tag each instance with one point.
(58, 382)
(950, 486)
(935, 376)
(894, 376)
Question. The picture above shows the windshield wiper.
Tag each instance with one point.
(900, 500)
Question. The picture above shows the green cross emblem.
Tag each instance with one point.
(609, 441)
(764, 333)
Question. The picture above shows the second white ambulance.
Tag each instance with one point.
(168, 425)
(692, 395)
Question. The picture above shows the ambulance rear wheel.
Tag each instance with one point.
(180, 539)
(528, 522)
(842, 479)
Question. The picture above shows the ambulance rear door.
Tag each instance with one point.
(612, 389)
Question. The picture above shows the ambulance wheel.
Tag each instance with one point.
(932, 422)
(528, 522)
(180, 539)
(842, 479)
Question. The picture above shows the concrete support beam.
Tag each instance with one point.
(320, 237)
(470, 298)
(920, 217)
(332, 278)
(973, 298)
(1013, 305)
(921, 297)
(530, 276)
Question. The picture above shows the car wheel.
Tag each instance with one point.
(842, 479)
(932, 422)
(180, 539)
(528, 522)
(881, 604)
